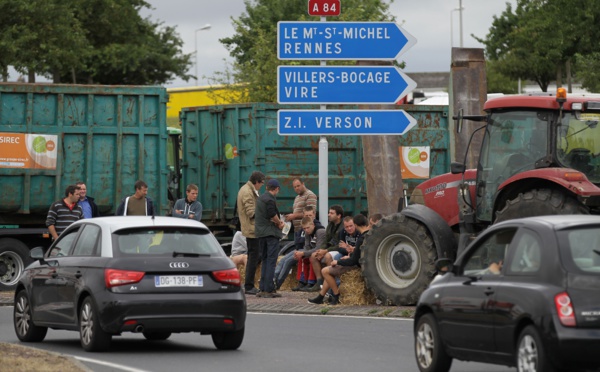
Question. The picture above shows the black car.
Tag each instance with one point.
(152, 275)
(525, 293)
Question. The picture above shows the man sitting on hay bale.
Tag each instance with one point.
(343, 265)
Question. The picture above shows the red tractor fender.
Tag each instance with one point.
(570, 179)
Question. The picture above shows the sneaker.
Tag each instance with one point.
(314, 288)
(299, 287)
(334, 300)
(270, 294)
(317, 300)
(252, 291)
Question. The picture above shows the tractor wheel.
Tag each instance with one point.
(14, 257)
(398, 260)
(540, 202)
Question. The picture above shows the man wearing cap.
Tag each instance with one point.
(268, 227)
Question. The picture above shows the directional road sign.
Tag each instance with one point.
(340, 122)
(342, 40)
(342, 84)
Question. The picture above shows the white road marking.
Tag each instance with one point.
(108, 364)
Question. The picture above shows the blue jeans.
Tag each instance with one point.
(270, 250)
(283, 268)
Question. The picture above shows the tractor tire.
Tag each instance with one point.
(398, 260)
(542, 202)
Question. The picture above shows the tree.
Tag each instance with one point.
(89, 41)
(254, 44)
(497, 82)
(540, 39)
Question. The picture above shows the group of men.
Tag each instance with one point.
(322, 254)
(77, 205)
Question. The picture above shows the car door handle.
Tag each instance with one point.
(78, 274)
(489, 291)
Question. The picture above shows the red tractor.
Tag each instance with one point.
(540, 155)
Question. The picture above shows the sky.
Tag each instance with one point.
(428, 21)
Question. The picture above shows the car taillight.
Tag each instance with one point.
(231, 276)
(565, 310)
(115, 278)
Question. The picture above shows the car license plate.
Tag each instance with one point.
(178, 281)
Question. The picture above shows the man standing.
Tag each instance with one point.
(90, 209)
(64, 212)
(246, 207)
(304, 198)
(189, 207)
(268, 231)
(137, 204)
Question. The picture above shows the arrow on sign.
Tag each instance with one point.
(342, 40)
(342, 84)
(340, 122)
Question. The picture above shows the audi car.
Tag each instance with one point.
(151, 275)
(525, 293)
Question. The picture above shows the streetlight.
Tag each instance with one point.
(452, 27)
(205, 27)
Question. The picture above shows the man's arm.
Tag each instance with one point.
(178, 209)
(51, 221)
(196, 210)
(248, 205)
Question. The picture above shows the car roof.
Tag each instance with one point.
(115, 223)
(556, 222)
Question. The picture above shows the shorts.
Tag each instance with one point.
(338, 270)
(335, 255)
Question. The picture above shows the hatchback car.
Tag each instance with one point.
(150, 275)
(525, 293)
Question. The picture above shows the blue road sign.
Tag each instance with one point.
(340, 122)
(342, 40)
(342, 84)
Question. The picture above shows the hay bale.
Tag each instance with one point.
(353, 291)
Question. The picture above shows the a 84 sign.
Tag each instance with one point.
(324, 7)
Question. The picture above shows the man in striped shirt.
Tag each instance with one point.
(304, 198)
(64, 212)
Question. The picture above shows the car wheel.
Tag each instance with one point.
(228, 340)
(92, 337)
(531, 356)
(429, 351)
(22, 318)
(156, 336)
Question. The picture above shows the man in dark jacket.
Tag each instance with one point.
(90, 209)
(331, 243)
(137, 204)
(267, 228)
(338, 267)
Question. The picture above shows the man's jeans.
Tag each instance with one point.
(283, 268)
(254, 255)
(270, 250)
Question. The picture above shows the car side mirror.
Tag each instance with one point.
(444, 265)
(37, 253)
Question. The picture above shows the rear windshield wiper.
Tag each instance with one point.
(597, 252)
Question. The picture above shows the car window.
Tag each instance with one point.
(487, 256)
(161, 241)
(528, 253)
(580, 249)
(64, 243)
(87, 242)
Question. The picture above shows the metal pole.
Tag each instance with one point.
(323, 168)
(460, 7)
(205, 27)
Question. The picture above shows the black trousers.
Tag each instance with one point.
(254, 256)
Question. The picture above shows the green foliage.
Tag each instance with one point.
(89, 41)
(537, 39)
(588, 70)
(499, 83)
(254, 44)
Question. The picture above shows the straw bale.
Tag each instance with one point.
(353, 290)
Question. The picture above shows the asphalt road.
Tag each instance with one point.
(273, 342)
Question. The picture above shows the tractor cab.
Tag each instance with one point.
(527, 140)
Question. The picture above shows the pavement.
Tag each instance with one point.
(296, 303)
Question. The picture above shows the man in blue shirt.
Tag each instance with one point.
(90, 209)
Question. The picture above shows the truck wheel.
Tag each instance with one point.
(14, 257)
(398, 260)
(540, 202)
